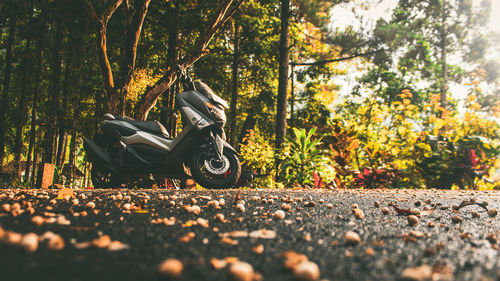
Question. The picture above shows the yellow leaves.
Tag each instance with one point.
(439, 123)
(401, 130)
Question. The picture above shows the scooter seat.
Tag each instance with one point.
(154, 127)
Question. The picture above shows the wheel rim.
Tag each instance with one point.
(212, 169)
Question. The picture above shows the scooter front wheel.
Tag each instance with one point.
(210, 172)
(103, 179)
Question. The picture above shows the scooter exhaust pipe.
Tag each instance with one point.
(96, 155)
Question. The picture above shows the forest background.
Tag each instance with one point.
(283, 67)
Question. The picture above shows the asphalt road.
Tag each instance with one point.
(154, 225)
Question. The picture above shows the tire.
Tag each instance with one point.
(206, 178)
(103, 179)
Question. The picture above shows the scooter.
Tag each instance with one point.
(127, 149)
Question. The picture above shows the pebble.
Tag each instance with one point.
(240, 207)
(90, 205)
(55, 243)
(241, 271)
(457, 219)
(351, 237)
(286, 207)
(385, 211)
(37, 220)
(359, 214)
(412, 220)
(126, 206)
(279, 214)
(29, 242)
(307, 270)
(476, 215)
(171, 268)
(492, 212)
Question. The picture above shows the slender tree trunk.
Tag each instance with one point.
(6, 85)
(283, 62)
(168, 97)
(72, 146)
(61, 112)
(55, 88)
(21, 111)
(34, 107)
(444, 66)
(234, 92)
(35, 163)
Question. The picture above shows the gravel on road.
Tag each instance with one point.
(249, 235)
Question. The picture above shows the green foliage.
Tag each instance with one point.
(302, 158)
(257, 154)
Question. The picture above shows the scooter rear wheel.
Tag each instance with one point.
(210, 173)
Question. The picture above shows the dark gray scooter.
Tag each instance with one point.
(129, 149)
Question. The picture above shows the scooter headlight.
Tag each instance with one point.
(217, 112)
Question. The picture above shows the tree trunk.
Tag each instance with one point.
(21, 111)
(199, 49)
(444, 66)
(6, 85)
(283, 75)
(61, 112)
(234, 92)
(55, 88)
(34, 112)
(72, 146)
(134, 20)
(169, 98)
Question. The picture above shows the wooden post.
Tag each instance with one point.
(47, 175)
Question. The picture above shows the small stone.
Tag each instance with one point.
(385, 210)
(286, 207)
(492, 238)
(29, 242)
(171, 268)
(329, 206)
(90, 205)
(12, 238)
(476, 215)
(127, 206)
(412, 220)
(195, 209)
(359, 214)
(376, 204)
(55, 243)
(431, 224)
(75, 202)
(307, 270)
(423, 272)
(492, 212)
(6, 208)
(37, 220)
(259, 249)
(213, 204)
(279, 214)
(351, 237)
(415, 212)
(457, 219)
(240, 207)
(241, 271)
(370, 252)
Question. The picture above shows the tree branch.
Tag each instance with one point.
(335, 60)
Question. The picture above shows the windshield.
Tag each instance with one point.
(206, 91)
